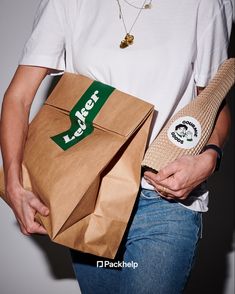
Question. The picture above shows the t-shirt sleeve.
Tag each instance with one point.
(46, 45)
(213, 32)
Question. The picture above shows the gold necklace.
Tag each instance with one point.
(146, 6)
(128, 39)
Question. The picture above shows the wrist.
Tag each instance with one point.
(208, 161)
(215, 153)
(13, 178)
(13, 189)
(210, 155)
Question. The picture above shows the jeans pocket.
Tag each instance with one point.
(197, 216)
(149, 194)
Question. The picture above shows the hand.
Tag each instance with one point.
(25, 205)
(177, 179)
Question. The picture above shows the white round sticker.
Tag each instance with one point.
(185, 132)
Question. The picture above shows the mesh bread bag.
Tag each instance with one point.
(188, 131)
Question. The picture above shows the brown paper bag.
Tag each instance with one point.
(83, 158)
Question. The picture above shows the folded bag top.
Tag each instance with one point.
(113, 115)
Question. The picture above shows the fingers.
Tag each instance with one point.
(169, 188)
(36, 204)
(171, 194)
(164, 173)
(31, 228)
(25, 206)
(179, 177)
(169, 182)
(171, 178)
(22, 228)
(39, 229)
(164, 192)
(30, 208)
(35, 228)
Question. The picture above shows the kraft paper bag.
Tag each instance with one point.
(83, 158)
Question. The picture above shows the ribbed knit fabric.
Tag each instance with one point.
(204, 109)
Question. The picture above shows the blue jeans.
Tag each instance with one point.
(161, 238)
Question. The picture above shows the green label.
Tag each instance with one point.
(83, 114)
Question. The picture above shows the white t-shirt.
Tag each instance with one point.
(178, 45)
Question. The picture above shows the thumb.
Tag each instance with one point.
(36, 204)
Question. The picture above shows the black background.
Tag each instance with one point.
(211, 266)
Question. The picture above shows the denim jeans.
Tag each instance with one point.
(161, 238)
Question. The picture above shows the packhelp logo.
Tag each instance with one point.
(185, 132)
(83, 114)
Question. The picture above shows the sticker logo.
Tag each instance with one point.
(82, 115)
(185, 132)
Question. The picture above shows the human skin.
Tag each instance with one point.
(178, 178)
(14, 126)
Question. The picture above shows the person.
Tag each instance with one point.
(164, 52)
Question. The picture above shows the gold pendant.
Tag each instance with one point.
(148, 6)
(124, 44)
(129, 39)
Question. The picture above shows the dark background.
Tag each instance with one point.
(211, 266)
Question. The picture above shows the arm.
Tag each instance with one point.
(14, 126)
(180, 177)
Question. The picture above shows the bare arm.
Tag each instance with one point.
(14, 126)
(181, 176)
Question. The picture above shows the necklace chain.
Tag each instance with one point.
(128, 40)
(145, 6)
(123, 20)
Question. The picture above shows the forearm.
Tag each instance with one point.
(14, 121)
(14, 126)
